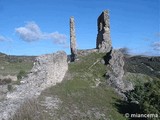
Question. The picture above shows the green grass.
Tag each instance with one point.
(12, 65)
(14, 68)
(85, 98)
(89, 67)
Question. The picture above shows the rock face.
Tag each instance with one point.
(103, 37)
(73, 40)
(47, 71)
(116, 72)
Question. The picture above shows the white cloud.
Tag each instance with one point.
(156, 46)
(2, 38)
(32, 32)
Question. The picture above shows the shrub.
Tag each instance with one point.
(148, 96)
(21, 74)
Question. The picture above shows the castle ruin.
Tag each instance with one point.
(103, 43)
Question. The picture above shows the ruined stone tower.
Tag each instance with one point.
(103, 43)
(73, 40)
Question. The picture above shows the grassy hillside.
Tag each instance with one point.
(143, 65)
(83, 94)
(11, 65)
(141, 69)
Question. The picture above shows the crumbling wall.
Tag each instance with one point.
(48, 70)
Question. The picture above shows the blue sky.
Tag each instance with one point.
(34, 27)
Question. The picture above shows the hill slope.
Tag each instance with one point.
(84, 92)
(144, 65)
(140, 69)
(11, 65)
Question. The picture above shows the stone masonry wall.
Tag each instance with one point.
(73, 40)
(103, 43)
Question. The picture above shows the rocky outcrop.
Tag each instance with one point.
(73, 40)
(103, 38)
(47, 71)
(116, 72)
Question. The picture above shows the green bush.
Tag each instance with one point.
(148, 96)
(21, 74)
